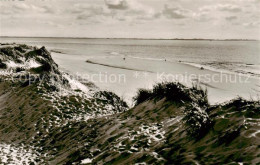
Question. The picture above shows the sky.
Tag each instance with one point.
(160, 19)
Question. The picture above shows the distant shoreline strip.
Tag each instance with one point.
(118, 67)
(188, 39)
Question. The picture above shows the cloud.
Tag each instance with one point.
(32, 8)
(4, 10)
(141, 12)
(207, 8)
(117, 4)
(133, 12)
(203, 16)
(222, 7)
(229, 8)
(88, 11)
(24, 9)
(231, 18)
(175, 12)
(252, 24)
(22, 6)
(119, 17)
(48, 9)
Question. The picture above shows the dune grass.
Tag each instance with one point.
(2, 65)
(173, 91)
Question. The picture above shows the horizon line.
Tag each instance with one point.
(135, 38)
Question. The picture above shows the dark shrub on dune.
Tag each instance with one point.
(20, 49)
(177, 92)
(197, 121)
(142, 96)
(159, 90)
(19, 69)
(200, 95)
(173, 91)
(240, 103)
(7, 51)
(2, 65)
(111, 98)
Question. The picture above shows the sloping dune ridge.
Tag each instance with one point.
(46, 117)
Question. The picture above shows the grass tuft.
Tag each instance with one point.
(2, 65)
(173, 91)
(142, 96)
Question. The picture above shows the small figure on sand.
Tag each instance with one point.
(165, 59)
(201, 68)
(124, 58)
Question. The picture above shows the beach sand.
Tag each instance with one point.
(125, 76)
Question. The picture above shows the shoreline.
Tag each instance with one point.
(118, 67)
(206, 67)
(219, 92)
(177, 39)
